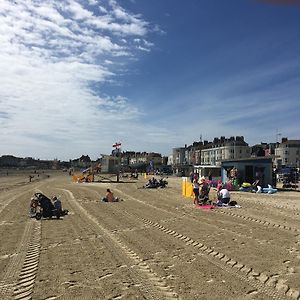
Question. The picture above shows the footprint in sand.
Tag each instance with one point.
(105, 276)
(70, 284)
(171, 276)
(54, 245)
(75, 272)
(252, 292)
(168, 267)
(292, 250)
(291, 271)
(122, 266)
(117, 297)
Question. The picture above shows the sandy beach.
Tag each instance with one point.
(153, 245)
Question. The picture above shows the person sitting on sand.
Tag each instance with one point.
(109, 197)
(223, 196)
(152, 183)
(57, 203)
(33, 205)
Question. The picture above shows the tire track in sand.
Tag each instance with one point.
(268, 285)
(24, 287)
(152, 286)
(256, 220)
(19, 276)
(11, 196)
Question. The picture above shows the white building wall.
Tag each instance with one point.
(212, 156)
(288, 154)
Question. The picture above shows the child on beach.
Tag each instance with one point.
(196, 187)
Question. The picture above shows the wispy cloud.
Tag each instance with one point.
(51, 52)
(253, 103)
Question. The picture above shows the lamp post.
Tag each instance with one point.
(117, 147)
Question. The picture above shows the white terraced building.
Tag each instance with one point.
(222, 149)
(287, 154)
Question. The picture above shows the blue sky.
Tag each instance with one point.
(77, 76)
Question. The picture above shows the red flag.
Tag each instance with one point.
(116, 145)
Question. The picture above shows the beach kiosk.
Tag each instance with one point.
(205, 170)
(249, 170)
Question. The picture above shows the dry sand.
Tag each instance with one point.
(152, 245)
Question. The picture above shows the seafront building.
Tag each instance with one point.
(287, 154)
(208, 155)
(179, 156)
(223, 148)
(205, 157)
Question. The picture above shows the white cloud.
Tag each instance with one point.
(143, 49)
(78, 11)
(102, 9)
(52, 55)
(93, 2)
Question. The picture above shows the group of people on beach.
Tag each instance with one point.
(154, 183)
(41, 205)
(34, 203)
(201, 189)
